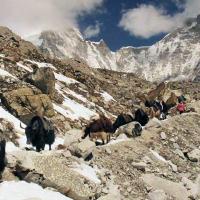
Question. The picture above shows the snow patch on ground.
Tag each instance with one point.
(78, 96)
(72, 109)
(65, 79)
(58, 141)
(24, 67)
(12, 119)
(2, 55)
(78, 110)
(42, 64)
(22, 190)
(11, 147)
(5, 73)
(107, 97)
(87, 171)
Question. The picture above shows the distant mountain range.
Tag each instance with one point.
(175, 57)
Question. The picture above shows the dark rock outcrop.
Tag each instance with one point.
(24, 103)
(44, 79)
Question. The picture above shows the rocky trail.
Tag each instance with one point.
(161, 164)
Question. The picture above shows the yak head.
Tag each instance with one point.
(31, 131)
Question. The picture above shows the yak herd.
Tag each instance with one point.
(40, 131)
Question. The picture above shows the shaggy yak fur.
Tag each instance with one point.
(121, 120)
(40, 132)
(141, 117)
(102, 124)
(2, 155)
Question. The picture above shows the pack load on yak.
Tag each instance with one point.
(181, 99)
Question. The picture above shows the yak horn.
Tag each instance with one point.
(21, 126)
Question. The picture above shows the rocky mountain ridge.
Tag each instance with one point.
(32, 80)
(163, 163)
(175, 57)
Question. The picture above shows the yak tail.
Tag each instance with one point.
(87, 132)
(21, 126)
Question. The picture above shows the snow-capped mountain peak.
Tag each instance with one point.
(175, 57)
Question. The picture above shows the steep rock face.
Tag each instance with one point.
(44, 79)
(70, 44)
(175, 57)
(15, 47)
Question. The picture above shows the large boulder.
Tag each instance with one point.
(51, 169)
(82, 149)
(25, 102)
(194, 155)
(72, 136)
(13, 46)
(44, 79)
(176, 190)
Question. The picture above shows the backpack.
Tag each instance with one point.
(181, 98)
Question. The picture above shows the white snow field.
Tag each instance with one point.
(24, 191)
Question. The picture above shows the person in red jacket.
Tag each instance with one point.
(181, 107)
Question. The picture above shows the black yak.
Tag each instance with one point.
(141, 117)
(40, 132)
(121, 120)
(2, 155)
(103, 124)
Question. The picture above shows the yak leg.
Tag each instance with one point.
(108, 137)
(103, 142)
(49, 147)
(38, 148)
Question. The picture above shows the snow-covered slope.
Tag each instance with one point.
(175, 57)
(71, 44)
